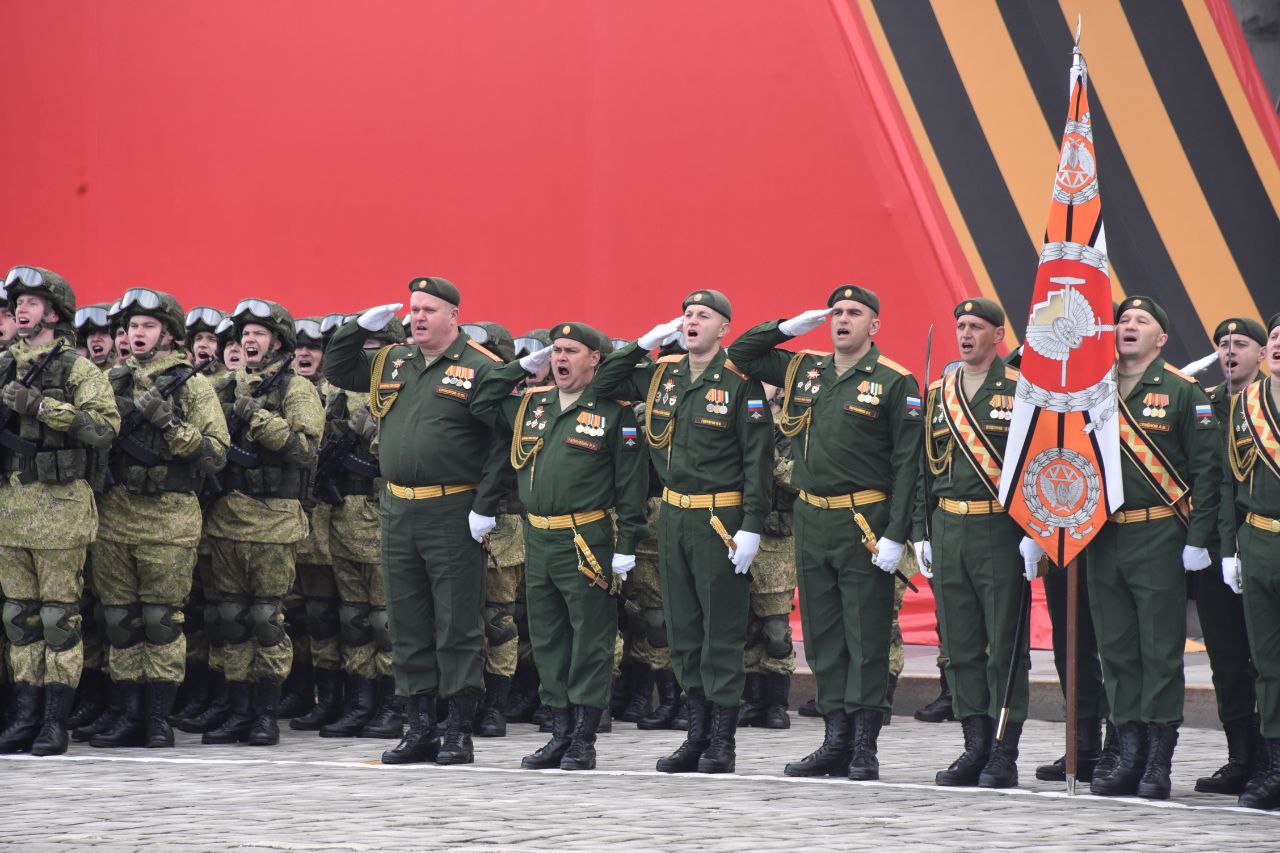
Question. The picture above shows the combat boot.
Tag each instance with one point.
(215, 713)
(832, 758)
(456, 747)
(91, 699)
(966, 769)
(640, 701)
(24, 718)
(329, 702)
(681, 719)
(668, 702)
(234, 728)
(129, 728)
(605, 726)
(720, 754)
(777, 698)
(1130, 763)
(523, 700)
(1110, 756)
(751, 711)
(1088, 746)
(107, 719)
(265, 730)
(542, 718)
(52, 738)
(620, 689)
(581, 754)
(1155, 783)
(361, 706)
(864, 766)
(1264, 791)
(808, 708)
(299, 692)
(888, 698)
(1261, 762)
(939, 710)
(388, 721)
(421, 741)
(195, 693)
(160, 696)
(492, 722)
(1231, 777)
(685, 758)
(1001, 770)
(549, 755)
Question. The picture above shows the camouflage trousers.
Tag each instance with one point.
(769, 650)
(91, 634)
(42, 613)
(321, 628)
(645, 634)
(362, 615)
(193, 626)
(251, 580)
(142, 589)
(503, 602)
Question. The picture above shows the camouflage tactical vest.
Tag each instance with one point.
(336, 413)
(171, 474)
(276, 477)
(59, 457)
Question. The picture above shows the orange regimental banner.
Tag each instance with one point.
(1061, 474)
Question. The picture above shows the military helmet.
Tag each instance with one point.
(202, 318)
(41, 282)
(532, 341)
(272, 315)
(224, 331)
(145, 302)
(492, 336)
(90, 319)
(392, 333)
(309, 331)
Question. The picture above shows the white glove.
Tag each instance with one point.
(1231, 573)
(1195, 559)
(623, 563)
(742, 556)
(1031, 553)
(661, 334)
(888, 554)
(924, 558)
(376, 319)
(536, 360)
(806, 322)
(480, 525)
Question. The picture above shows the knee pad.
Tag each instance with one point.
(234, 621)
(381, 625)
(22, 624)
(161, 623)
(777, 636)
(323, 620)
(499, 624)
(655, 627)
(268, 621)
(357, 629)
(295, 620)
(61, 624)
(211, 618)
(122, 624)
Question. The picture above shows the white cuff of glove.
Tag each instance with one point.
(1031, 553)
(536, 360)
(748, 545)
(1231, 567)
(661, 334)
(480, 525)
(888, 555)
(376, 319)
(804, 323)
(622, 564)
(1195, 559)
(924, 558)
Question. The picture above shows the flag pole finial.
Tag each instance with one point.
(1079, 27)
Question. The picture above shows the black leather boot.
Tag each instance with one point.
(1001, 770)
(668, 702)
(361, 703)
(456, 747)
(159, 731)
(1155, 783)
(808, 708)
(640, 700)
(1264, 791)
(265, 730)
(966, 769)
(1261, 762)
(549, 755)
(130, 728)
(1130, 763)
(777, 698)
(25, 716)
(1110, 755)
(215, 713)
(751, 711)
(329, 702)
(888, 697)
(195, 693)
(1231, 777)
(581, 754)
(523, 700)
(685, 758)
(681, 719)
(492, 721)
(421, 741)
(939, 710)
(298, 693)
(864, 766)
(235, 726)
(620, 689)
(720, 756)
(832, 757)
(52, 738)
(91, 699)
(1088, 750)
(388, 721)
(107, 719)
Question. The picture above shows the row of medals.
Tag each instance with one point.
(1149, 412)
(717, 409)
(586, 430)
(1002, 414)
(456, 380)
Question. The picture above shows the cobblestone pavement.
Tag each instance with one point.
(320, 794)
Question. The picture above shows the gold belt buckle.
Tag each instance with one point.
(963, 507)
(685, 501)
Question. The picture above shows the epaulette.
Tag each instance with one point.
(894, 366)
(1176, 372)
(814, 352)
(538, 389)
(733, 368)
(623, 403)
(935, 385)
(486, 352)
(673, 358)
(1011, 373)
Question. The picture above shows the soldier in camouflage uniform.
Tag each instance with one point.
(47, 512)
(8, 333)
(150, 518)
(256, 525)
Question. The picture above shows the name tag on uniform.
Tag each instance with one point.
(451, 391)
(866, 412)
(583, 443)
(1155, 426)
(389, 386)
(713, 423)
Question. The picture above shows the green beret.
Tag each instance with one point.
(857, 294)
(580, 332)
(983, 309)
(713, 299)
(441, 288)
(1240, 326)
(1273, 322)
(1146, 303)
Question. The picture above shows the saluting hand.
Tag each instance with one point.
(661, 334)
(536, 362)
(804, 323)
(376, 319)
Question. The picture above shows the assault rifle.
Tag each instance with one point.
(335, 455)
(9, 438)
(236, 425)
(128, 443)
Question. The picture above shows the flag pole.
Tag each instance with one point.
(1021, 632)
(1073, 670)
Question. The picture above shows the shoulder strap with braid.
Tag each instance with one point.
(378, 404)
(788, 424)
(656, 440)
